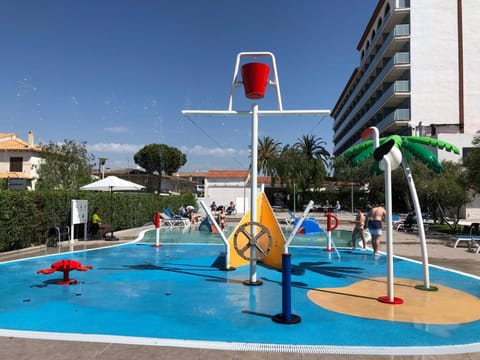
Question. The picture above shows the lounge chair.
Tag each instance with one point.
(396, 221)
(292, 218)
(474, 245)
(461, 238)
(170, 219)
(472, 239)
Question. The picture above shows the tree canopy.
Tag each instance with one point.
(303, 164)
(313, 148)
(160, 158)
(472, 164)
(268, 150)
(66, 166)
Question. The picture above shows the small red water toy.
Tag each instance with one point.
(65, 266)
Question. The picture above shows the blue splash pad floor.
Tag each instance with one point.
(178, 292)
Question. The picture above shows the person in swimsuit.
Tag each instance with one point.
(358, 228)
(375, 217)
(222, 219)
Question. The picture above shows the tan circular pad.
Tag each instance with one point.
(442, 307)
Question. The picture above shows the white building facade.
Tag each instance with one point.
(224, 186)
(419, 74)
(19, 160)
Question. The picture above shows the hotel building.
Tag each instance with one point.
(418, 74)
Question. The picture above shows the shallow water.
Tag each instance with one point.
(178, 292)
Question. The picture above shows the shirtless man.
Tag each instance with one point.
(375, 218)
(358, 228)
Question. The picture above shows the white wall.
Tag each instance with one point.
(471, 63)
(472, 211)
(459, 140)
(29, 167)
(434, 65)
(222, 191)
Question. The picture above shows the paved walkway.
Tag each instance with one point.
(405, 244)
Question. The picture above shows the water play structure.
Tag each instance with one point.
(399, 150)
(255, 78)
(157, 222)
(309, 225)
(65, 266)
(332, 223)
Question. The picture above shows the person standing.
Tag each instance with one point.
(375, 217)
(222, 219)
(358, 229)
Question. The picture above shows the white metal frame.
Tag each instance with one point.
(254, 113)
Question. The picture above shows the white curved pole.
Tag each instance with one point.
(219, 231)
(297, 226)
(421, 228)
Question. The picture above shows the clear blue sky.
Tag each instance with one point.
(117, 73)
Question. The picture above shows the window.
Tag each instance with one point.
(16, 164)
(387, 10)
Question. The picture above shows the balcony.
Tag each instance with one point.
(399, 31)
(392, 70)
(399, 118)
(393, 96)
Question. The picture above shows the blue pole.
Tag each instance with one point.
(286, 317)
(287, 287)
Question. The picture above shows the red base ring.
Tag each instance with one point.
(67, 282)
(329, 250)
(386, 300)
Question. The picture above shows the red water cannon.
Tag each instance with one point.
(65, 266)
(330, 226)
(156, 219)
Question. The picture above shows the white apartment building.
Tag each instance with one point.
(418, 74)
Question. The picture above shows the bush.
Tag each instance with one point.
(25, 216)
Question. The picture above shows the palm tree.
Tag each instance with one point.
(410, 147)
(268, 150)
(313, 148)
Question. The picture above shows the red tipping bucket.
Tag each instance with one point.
(255, 79)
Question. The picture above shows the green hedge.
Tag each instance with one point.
(26, 216)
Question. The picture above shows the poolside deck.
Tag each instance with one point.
(404, 244)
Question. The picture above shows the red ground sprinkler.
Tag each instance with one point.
(65, 266)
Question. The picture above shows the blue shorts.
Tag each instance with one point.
(375, 227)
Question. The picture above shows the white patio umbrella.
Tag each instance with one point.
(111, 184)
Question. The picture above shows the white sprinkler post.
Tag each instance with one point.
(390, 298)
(421, 229)
(418, 212)
(222, 235)
(253, 191)
(297, 226)
(388, 205)
(255, 113)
